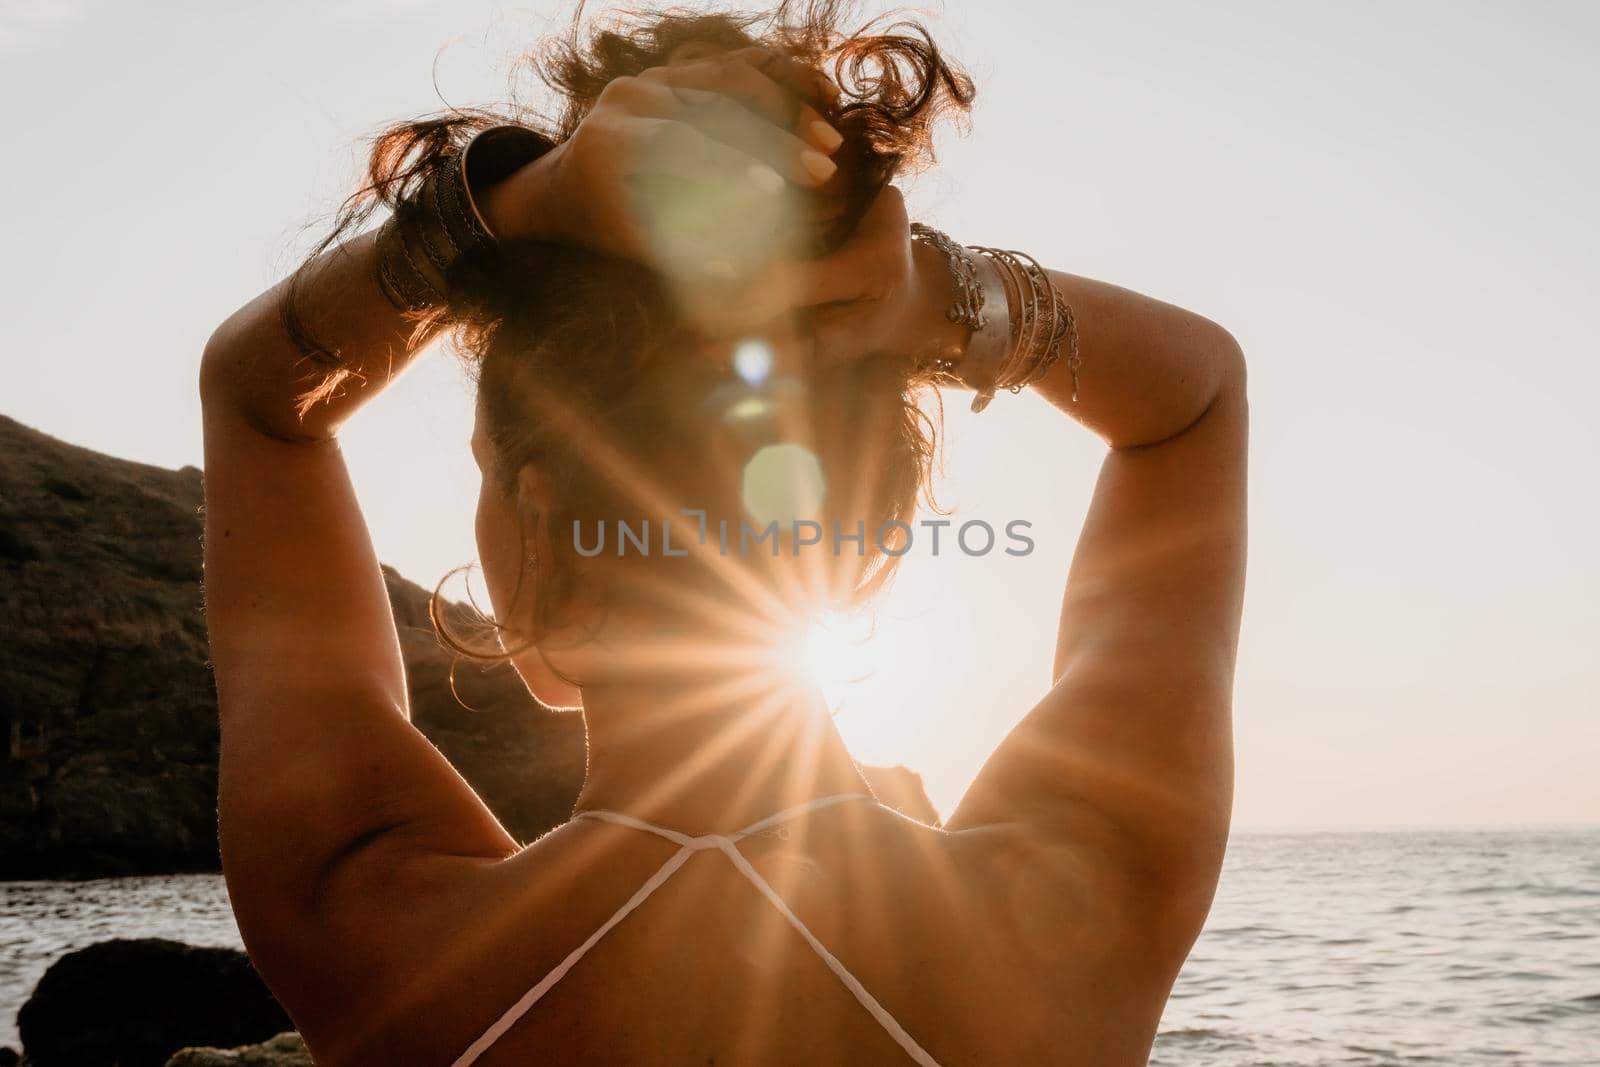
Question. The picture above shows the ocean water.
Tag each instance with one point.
(1323, 950)
(1396, 949)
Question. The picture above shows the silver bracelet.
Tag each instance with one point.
(990, 343)
(1042, 326)
(1010, 349)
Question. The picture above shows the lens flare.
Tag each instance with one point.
(749, 407)
(783, 483)
(752, 360)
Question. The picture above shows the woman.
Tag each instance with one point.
(705, 263)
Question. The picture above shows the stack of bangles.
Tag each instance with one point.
(440, 226)
(1019, 320)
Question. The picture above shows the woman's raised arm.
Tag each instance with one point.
(1127, 762)
(1124, 769)
(319, 761)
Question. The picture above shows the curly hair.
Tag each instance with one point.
(570, 348)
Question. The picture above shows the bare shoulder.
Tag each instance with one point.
(1062, 939)
(1075, 888)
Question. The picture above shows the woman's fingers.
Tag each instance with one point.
(668, 146)
(832, 294)
(845, 286)
(866, 266)
(707, 210)
(858, 299)
(733, 110)
(691, 163)
(772, 85)
(797, 77)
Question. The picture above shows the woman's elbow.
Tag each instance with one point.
(1226, 356)
(218, 364)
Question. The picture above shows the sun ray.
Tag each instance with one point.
(755, 718)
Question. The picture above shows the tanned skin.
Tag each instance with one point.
(1043, 924)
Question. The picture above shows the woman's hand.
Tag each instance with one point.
(879, 292)
(684, 167)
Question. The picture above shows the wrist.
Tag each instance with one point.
(526, 205)
(985, 355)
(941, 340)
(467, 203)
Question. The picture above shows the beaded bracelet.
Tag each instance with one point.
(968, 308)
(982, 305)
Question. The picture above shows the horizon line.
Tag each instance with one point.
(1403, 828)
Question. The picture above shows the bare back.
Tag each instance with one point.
(980, 946)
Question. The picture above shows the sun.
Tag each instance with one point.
(833, 652)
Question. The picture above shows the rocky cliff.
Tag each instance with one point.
(108, 729)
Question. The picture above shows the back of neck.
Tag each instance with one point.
(684, 759)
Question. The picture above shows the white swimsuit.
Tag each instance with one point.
(727, 844)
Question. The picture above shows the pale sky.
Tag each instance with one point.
(1389, 204)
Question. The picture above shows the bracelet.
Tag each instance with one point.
(1024, 329)
(981, 305)
(968, 308)
(1012, 349)
(441, 224)
(988, 346)
(1043, 322)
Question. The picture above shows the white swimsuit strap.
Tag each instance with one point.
(690, 844)
(867, 1000)
(701, 842)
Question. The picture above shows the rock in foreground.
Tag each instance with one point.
(135, 1003)
(285, 1050)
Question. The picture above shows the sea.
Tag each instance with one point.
(1392, 949)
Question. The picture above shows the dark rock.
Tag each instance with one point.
(14, 547)
(66, 489)
(285, 1050)
(108, 724)
(135, 1003)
